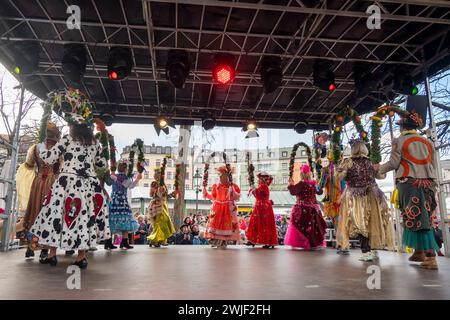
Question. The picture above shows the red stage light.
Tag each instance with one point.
(332, 87)
(224, 74)
(113, 75)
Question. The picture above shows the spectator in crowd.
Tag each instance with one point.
(281, 229)
(142, 232)
(184, 236)
(439, 238)
(198, 238)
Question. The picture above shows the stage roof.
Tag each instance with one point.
(414, 35)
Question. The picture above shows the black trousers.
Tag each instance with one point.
(365, 246)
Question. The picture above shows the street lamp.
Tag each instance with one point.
(197, 178)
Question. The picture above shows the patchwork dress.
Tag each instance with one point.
(75, 213)
(120, 216)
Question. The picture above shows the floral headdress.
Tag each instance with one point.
(265, 177)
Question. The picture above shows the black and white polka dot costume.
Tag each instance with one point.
(75, 212)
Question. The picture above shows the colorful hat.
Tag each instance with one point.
(413, 120)
(74, 118)
(305, 169)
(224, 169)
(267, 178)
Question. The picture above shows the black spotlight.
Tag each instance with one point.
(404, 84)
(271, 73)
(208, 123)
(251, 128)
(26, 59)
(162, 123)
(74, 62)
(119, 63)
(177, 67)
(107, 118)
(300, 127)
(323, 76)
(365, 81)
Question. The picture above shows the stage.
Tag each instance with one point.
(200, 272)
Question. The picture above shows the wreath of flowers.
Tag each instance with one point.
(206, 168)
(341, 118)
(163, 170)
(102, 136)
(112, 153)
(138, 146)
(250, 171)
(375, 153)
(294, 153)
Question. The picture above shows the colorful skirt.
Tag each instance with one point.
(307, 227)
(261, 228)
(120, 216)
(222, 222)
(162, 227)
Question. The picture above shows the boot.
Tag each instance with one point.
(124, 244)
(418, 256)
(430, 263)
(29, 253)
(109, 245)
(43, 255)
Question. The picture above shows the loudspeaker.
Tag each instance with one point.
(418, 104)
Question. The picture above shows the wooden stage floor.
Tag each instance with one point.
(200, 272)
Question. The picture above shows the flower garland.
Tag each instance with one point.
(342, 117)
(138, 146)
(163, 170)
(112, 153)
(293, 154)
(250, 171)
(206, 168)
(228, 166)
(102, 136)
(375, 153)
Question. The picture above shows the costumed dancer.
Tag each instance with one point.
(158, 210)
(307, 227)
(262, 228)
(414, 161)
(333, 190)
(364, 211)
(41, 185)
(75, 213)
(223, 223)
(121, 220)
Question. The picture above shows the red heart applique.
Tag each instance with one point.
(98, 203)
(73, 207)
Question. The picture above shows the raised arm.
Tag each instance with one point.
(212, 195)
(394, 160)
(52, 156)
(236, 194)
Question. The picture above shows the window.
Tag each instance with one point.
(271, 154)
(169, 175)
(145, 185)
(158, 162)
(285, 180)
(158, 150)
(235, 158)
(284, 154)
(303, 153)
(168, 150)
(145, 174)
(169, 187)
(186, 187)
(284, 166)
(260, 167)
(147, 149)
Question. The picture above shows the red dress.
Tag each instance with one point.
(261, 228)
(306, 227)
(222, 222)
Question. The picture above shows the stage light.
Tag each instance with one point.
(414, 91)
(119, 63)
(323, 76)
(223, 71)
(26, 59)
(365, 81)
(107, 119)
(177, 67)
(251, 128)
(271, 73)
(300, 127)
(74, 62)
(162, 123)
(208, 123)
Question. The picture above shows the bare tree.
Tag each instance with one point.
(9, 106)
